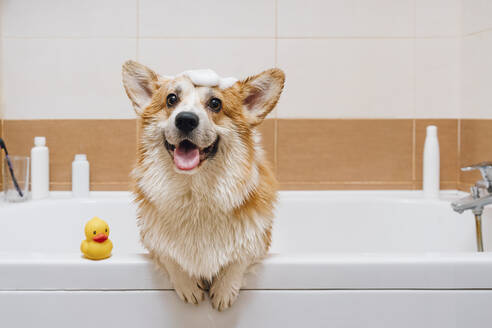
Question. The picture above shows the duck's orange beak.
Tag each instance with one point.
(100, 237)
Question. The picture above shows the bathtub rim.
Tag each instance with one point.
(283, 272)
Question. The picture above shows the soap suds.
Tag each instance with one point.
(203, 77)
(208, 78)
(227, 82)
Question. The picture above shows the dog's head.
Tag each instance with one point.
(193, 123)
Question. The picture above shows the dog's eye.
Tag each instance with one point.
(171, 100)
(215, 104)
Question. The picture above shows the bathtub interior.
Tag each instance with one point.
(57, 225)
(306, 222)
(370, 223)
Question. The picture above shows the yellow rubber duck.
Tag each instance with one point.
(96, 246)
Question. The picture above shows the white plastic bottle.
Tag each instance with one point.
(80, 176)
(40, 169)
(431, 170)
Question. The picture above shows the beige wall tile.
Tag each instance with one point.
(65, 78)
(477, 15)
(438, 78)
(110, 146)
(476, 146)
(437, 18)
(62, 18)
(347, 78)
(344, 150)
(477, 76)
(448, 147)
(342, 18)
(238, 57)
(213, 18)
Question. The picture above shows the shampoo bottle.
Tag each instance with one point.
(80, 176)
(40, 169)
(431, 163)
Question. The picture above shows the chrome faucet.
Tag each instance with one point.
(480, 196)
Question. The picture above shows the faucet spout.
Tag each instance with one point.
(476, 201)
(471, 203)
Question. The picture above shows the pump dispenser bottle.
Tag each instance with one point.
(40, 169)
(431, 163)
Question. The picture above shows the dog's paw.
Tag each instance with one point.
(223, 293)
(204, 284)
(189, 289)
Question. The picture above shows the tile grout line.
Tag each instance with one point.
(275, 122)
(458, 159)
(137, 58)
(460, 113)
(232, 37)
(414, 151)
(276, 33)
(137, 39)
(414, 122)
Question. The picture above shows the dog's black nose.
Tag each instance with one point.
(186, 121)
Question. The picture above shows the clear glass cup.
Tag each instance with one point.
(20, 167)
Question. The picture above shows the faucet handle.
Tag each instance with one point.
(485, 169)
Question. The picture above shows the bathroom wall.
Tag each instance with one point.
(364, 78)
(476, 85)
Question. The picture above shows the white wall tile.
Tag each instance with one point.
(477, 15)
(69, 18)
(53, 78)
(347, 78)
(438, 79)
(211, 18)
(231, 57)
(438, 17)
(477, 76)
(339, 18)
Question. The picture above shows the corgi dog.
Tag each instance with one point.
(204, 190)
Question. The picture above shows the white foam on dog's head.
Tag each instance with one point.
(227, 82)
(203, 77)
(208, 78)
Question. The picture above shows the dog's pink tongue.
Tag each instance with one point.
(186, 159)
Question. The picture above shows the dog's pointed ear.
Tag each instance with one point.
(261, 93)
(140, 83)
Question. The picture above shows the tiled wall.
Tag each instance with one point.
(343, 58)
(306, 153)
(362, 78)
(476, 82)
(477, 59)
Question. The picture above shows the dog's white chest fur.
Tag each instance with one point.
(200, 236)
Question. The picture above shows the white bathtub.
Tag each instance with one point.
(338, 259)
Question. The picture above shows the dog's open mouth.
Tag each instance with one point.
(187, 155)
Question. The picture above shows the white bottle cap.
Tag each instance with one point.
(432, 131)
(39, 141)
(80, 157)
